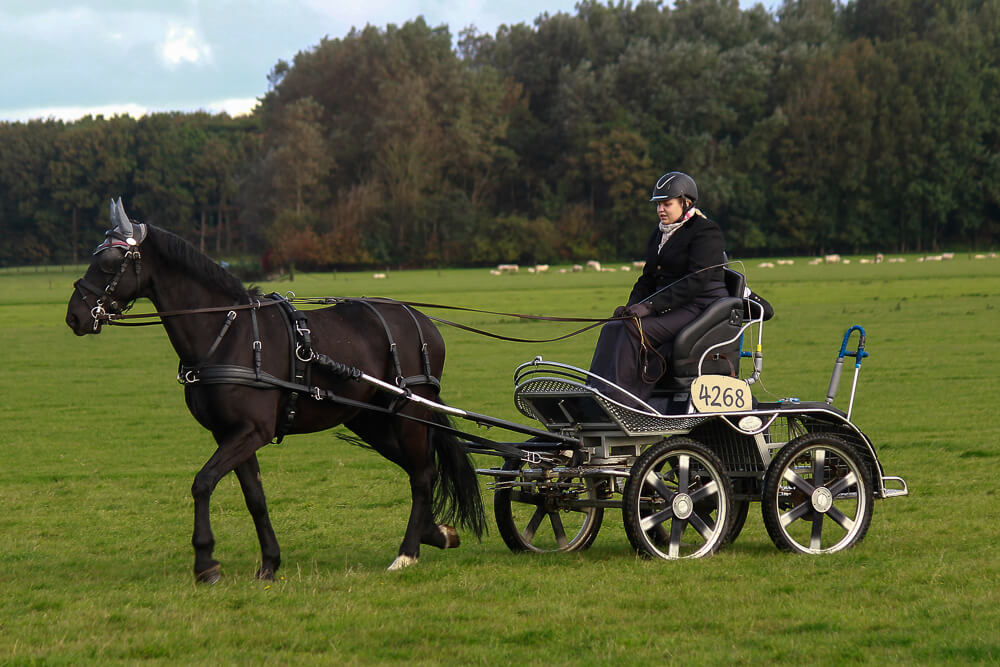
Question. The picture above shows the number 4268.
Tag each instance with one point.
(722, 397)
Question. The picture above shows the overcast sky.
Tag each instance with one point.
(67, 58)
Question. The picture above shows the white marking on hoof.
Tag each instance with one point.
(450, 536)
(402, 561)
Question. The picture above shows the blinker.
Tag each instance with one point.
(109, 261)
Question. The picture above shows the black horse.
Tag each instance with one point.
(215, 323)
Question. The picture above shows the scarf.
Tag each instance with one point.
(668, 230)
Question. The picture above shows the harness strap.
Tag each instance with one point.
(301, 358)
(223, 374)
(222, 333)
(425, 356)
(300, 351)
(257, 347)
(400, 381)
(91, 287)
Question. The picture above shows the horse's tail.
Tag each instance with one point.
(457, 499)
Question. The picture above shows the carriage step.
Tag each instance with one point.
(894, 493)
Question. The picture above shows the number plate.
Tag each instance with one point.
(720, 393)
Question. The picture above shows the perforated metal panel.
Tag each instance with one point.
(636, 422)
(560, 403)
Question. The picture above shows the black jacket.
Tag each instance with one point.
(682, 266)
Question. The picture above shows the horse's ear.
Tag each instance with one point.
(119, 219)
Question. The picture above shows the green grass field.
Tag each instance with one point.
(100, 452)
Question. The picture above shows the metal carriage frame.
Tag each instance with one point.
(683, 482)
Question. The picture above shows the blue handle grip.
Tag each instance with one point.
(860, 353)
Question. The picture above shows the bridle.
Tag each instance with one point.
(106, 305)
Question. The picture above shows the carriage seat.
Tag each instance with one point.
(719, 322)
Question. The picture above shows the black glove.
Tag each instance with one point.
(768, 310)
(639, 310)
(619, 311)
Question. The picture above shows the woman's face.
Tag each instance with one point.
(670, 210)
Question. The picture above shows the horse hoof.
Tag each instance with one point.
(265, 574)
(450, 536)
(402, 561)
(209, 576)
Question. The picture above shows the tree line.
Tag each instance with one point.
(822, 127)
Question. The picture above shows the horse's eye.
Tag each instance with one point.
(109, 260)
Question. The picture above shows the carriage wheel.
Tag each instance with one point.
(547, 518)
(677, 501)
(739, 510)
(817, 495)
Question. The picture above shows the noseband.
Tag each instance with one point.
(130, 254)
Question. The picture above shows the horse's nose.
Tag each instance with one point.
(74, 323)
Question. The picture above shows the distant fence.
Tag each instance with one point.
(44, 268)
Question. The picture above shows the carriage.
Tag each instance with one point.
(684, 482)
(683, 467)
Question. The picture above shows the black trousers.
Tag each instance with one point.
(619, 357)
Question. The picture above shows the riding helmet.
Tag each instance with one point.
(675, 184)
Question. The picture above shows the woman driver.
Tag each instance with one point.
(683, 275)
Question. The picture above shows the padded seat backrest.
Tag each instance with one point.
(719, 322)
(736, 282)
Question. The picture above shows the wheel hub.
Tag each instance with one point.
(822, 499)
(682, 506)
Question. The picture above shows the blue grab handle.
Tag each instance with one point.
(838, 366)
(858, 354)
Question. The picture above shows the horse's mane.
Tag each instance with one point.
(195, 263)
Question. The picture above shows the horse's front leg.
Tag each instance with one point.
(206, 569)
(248, 473)
(232, 451)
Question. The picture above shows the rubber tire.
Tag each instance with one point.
(774, 506)
(648, 543)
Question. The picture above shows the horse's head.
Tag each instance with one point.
(114, 278)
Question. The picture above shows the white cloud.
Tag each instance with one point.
(234, 106)
(183, 44)
(71, 113)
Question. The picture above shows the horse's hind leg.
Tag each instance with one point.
(248, 473)
(405, 444)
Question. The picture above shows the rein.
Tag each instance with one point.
(544, 318)
(114, 318)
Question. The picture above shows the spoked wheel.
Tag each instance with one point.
(817, 495)
(739, 509)
(546, 515)
(677, 501)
